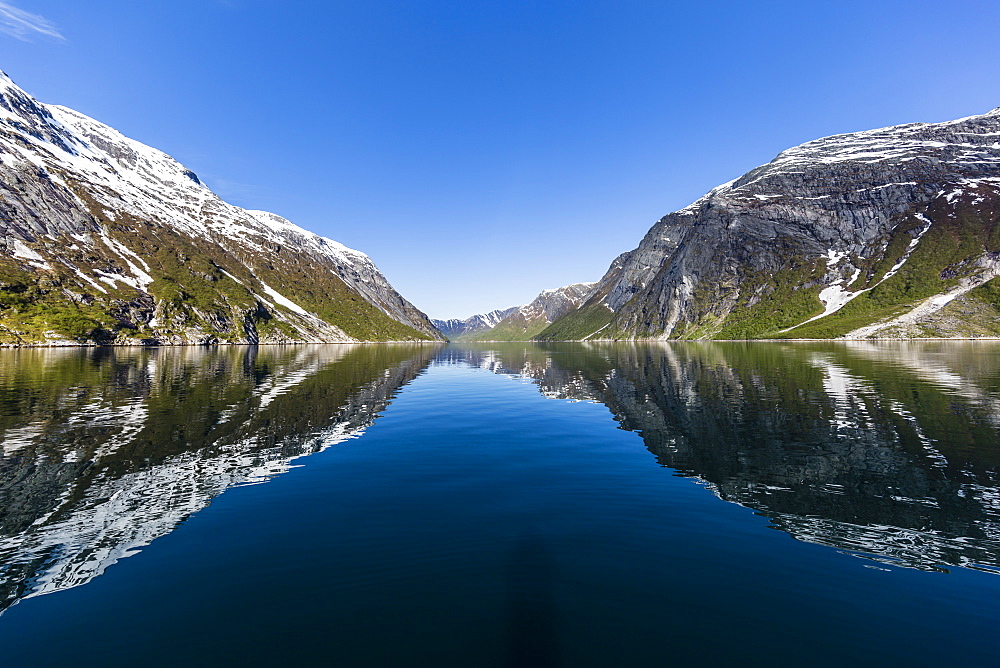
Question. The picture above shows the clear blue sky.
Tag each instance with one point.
(482, 151)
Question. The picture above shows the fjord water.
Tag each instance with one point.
(495, 505)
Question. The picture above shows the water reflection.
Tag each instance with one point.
(105, 450)
(889, 450)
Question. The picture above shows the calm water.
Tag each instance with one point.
(502, 505)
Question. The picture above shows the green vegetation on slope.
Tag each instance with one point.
(317, 289)
(34, 308)
(580, 324)
(937, 262)
(513, 328)
(782, 301)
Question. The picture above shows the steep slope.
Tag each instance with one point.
(890, 232)
(526, 321)
(454, 328)
(109, 240)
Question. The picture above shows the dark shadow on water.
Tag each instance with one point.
(532, 633)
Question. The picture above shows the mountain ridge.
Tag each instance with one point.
(455, 327)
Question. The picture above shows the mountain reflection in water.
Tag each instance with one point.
(105, 450)
(889, 450)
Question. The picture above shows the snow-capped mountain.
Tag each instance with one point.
(524, 322)
(884, 233)
(107, 239)
(455, 328)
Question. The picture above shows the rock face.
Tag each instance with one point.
(885, 233)
(455, 328)
(107, 240)
(524, 322)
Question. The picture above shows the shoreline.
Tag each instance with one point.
(17, 346)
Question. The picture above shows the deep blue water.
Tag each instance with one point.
(574, 505)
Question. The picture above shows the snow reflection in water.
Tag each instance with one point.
(105, 451)
(887, 451)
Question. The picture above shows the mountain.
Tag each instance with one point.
(455, 328)
(110, 241)
(524, 322)
(885, 233)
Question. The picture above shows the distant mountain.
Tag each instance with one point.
(455, 328)
(107, 240)
(524, 322)
(885, 233)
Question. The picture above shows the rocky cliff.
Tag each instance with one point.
(107, 240)
(885, 233)
(524, 322)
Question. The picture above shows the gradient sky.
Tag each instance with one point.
(480, 152)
